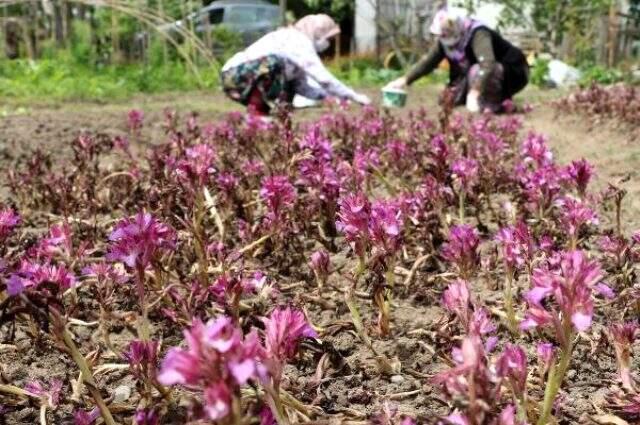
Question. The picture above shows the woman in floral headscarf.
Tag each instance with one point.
(284, 63)
(485, 69)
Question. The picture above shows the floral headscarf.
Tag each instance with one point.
(454, 28)
(318, 27)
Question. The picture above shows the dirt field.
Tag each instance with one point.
(612, 149)
(613, 152)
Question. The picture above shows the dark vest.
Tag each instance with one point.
(516, 68)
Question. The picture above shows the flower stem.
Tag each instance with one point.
(43, 414)
(356, 317)
(87, 377)
(276, 406)
(512, 323)
(554, 381)
(461, 206)
(143, 321)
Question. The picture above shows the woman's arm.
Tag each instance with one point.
(426, 64)
(483, 50)
(315, 69)
(310, 89)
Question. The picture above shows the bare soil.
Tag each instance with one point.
(350, 386)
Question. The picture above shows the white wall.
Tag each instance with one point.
(365, 31)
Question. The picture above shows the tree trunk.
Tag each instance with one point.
(12, 31)
(115, 37)
(58, 24)
(165, 50)
(31, 26)
(283, 12)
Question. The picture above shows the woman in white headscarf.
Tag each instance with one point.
(284, 63)
(484, 68)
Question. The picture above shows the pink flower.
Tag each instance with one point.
(8, 222)
(226, 182)
(546, 356)
(353, 221)
(103, 272)
(146, 417)
(385, 226)
(508, 417)
(398, 152)
(80, 417)
(541, 186)
(456, 299)
(266, 417)
(481, 324)
(623, 335)
(279, 195)
(470, 362)
(197, 165)
(135, 120)
(570, 284)
(319, 176)
(59, 242)
(455, 419)
(321, 264)
(462, 249)
(318, 145)
(439, 150)
(217, 361)
(466, 172)
(33, 274)
(580, 173)
(284, 329)
(515, 245)
(138, 240)
(512, 366)
(49, 396)
(217, 401)
(142, 357)
(535, 150)
(253, 167)
(614, 246)
(574, 214)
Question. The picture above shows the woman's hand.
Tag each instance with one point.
(362, 99)
(473, 101)
(399, 84)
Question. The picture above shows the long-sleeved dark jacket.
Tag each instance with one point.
(485, 48)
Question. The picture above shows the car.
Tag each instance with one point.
(250, 18)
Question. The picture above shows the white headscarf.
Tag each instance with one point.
(450, 25)
(319, 28)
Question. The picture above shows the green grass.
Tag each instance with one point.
(56, 80)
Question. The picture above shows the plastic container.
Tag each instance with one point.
(394, 98)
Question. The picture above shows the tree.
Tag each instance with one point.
(338, 9)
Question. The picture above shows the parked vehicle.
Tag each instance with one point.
(250, 18)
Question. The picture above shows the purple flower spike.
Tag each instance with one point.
(512, 365)
(8, 221)
(580, 173)
(353, 221)
(138, 240)
(135, 120)
(217, 362)
(279, 195)
(465, 171)
(570, 284)
(321, 264)
(462, 249)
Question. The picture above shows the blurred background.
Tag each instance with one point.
(106, 49)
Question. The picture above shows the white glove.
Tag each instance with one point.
(362, 99)
(473, 101)
(399, 84)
